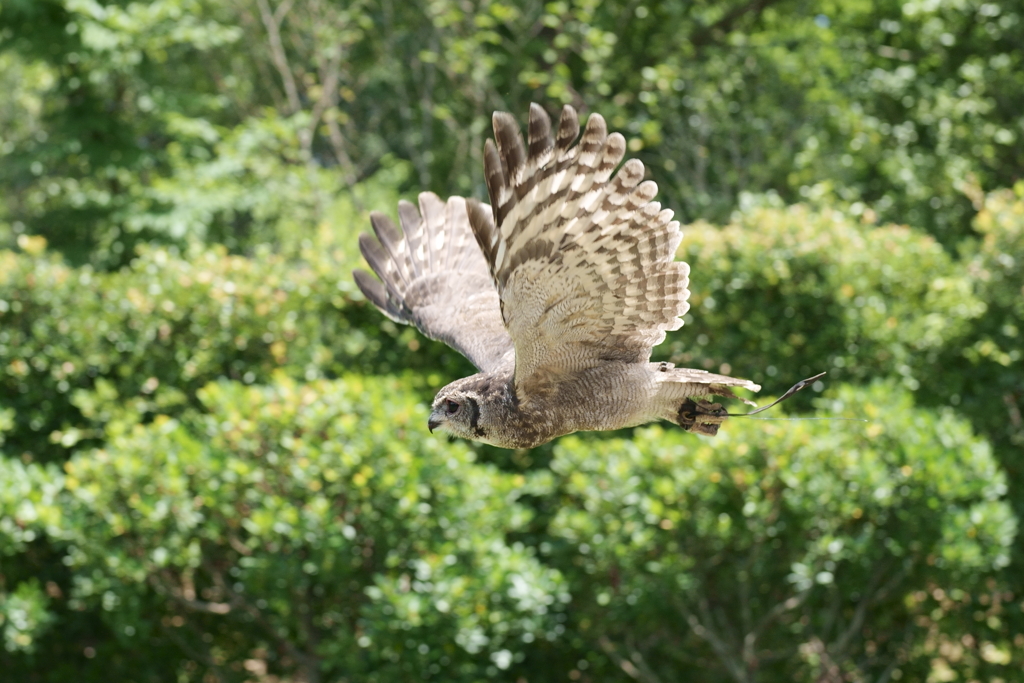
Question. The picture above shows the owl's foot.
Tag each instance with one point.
(701, 417)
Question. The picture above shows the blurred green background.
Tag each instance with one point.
(214, 464)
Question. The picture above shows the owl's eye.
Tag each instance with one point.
(452, 407)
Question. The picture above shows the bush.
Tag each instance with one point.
(28, 510)
(786, 549)
(783, 293)
(298, 528)
(993, 392)
(80, 349)
(114, 371)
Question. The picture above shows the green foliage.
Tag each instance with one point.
(23, 616)
(247, 185)
(153, 437)
(97, 78)
(118, 109)
(28, 510)
(304, 519)
(81, 349)
(819, 290)
(188, 491)
(992, 392)
(780, 533)
(997, 273)
(28, 504)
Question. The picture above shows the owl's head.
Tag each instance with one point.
(468, 408)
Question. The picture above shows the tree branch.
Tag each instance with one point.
(779, 609)
(830, 671)
(309, 664)
(871, 595)
(727, 654)
(186, 597)
(643, 674)
(272, 22)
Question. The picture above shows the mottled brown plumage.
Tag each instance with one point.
(568, 284)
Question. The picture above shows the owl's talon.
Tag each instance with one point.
(701, 417)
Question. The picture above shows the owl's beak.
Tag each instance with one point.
(434, 422)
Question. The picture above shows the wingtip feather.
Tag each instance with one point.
(510, 143)
(482, 222)
(568, 128)
(374, 254)
(375, 292)
(385, 230)
(540, 140)
(496, 179)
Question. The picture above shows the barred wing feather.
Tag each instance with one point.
(433, 275)
(583, 260)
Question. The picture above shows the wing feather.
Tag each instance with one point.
(582, 257)
(434, 276)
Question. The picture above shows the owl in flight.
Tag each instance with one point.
(556, 292)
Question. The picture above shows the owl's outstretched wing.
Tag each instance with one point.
(583, 260)
(433, 275)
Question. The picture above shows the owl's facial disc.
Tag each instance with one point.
(438, 418)
(445, 413)
(458, 412)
